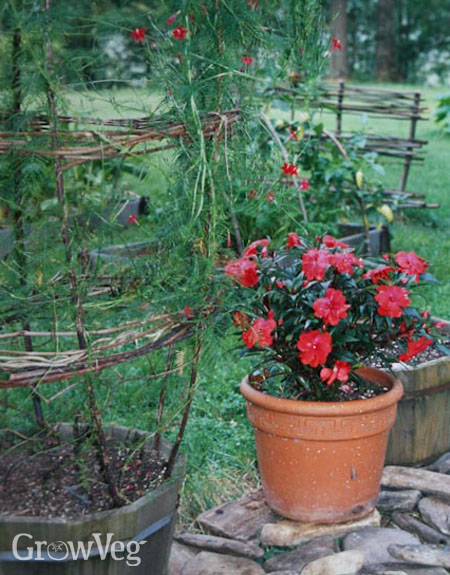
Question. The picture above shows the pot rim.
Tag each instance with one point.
(330, 408)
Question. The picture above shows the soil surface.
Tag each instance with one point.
(54, 482)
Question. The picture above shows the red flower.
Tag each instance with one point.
(171, 19)
(138, 34)
(188, 312)
(293, 240)
(336, 45)
(247, 60)
(315, 347)
(260, 332)
(340, 372)
(133, 219)
(304, 185)
(439, 324)
(414, 348)
(332, 242)
(344, 262)
(331, 308)
(179, 33)
(252, 194)
(270, 197)
(411, 263)
(241, 320)
(314, 264)
(245, 271)
(289, 169)
(292, 135)
(252, 251)
(378, 274)
(391, 300)
(279, 284)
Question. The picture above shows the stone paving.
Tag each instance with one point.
(408, 534)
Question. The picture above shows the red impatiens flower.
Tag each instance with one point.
(251, 250)
(411, 263)
(245, 272)
(270, 197)
(260, 332)
(304, 185)
(179, 33)
(414, 348)
(171, 19)
(340, 372)
(289, 169)
(332, 242)
(279, 284)
(138, 34)
(314, 264)
(331, 308)
(344, 262)
(378, 274)
(247, 60)
(336, 45)
(315, 347)
(293, 240)
(188, 312)
(391, 300)
(133, 219)
(252, 194)
(241, 320)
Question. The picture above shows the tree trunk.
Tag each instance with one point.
(385, 54)
(338, 26)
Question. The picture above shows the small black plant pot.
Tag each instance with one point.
(151, 519)
(374, 242)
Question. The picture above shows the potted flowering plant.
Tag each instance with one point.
(319, 317)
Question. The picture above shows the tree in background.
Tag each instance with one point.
(339, 58)
(386, 45)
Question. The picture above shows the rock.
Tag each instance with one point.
(296, 560)
(436, 512)
(179, 557)
(421, 479)
(284, 573)
(404, 570)
(441, 465)
(433, 555)
(409, 523)
(374, 543)
(345, 563)
(405, 500)
(288, 533)
(242, 519)
(221, 545)
(206, 563)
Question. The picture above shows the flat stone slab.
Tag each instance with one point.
(286, 533)
(433, 555)
(206, 563)
(374, 543)
(428, 534)
(404, 500)
(344, 563)
(441, 465)
(436, 512)
(421, 479)
(221, 545)
(296, 560)
(242, 519)
(404, 571)
(180, 555)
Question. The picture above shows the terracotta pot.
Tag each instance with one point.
(322, 461)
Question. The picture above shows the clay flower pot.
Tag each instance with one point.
(322, 461)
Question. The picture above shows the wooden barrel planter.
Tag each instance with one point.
(150, 520)
(422, 430)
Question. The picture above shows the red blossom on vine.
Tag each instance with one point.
(171, 19)
(133, 219)
(180, 33)
(304, 185)
(247, 60)
(289, 169)
(414, 348)
(138, 34)
(336, 44)
(244, 271)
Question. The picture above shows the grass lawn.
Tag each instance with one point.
(218, 440)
